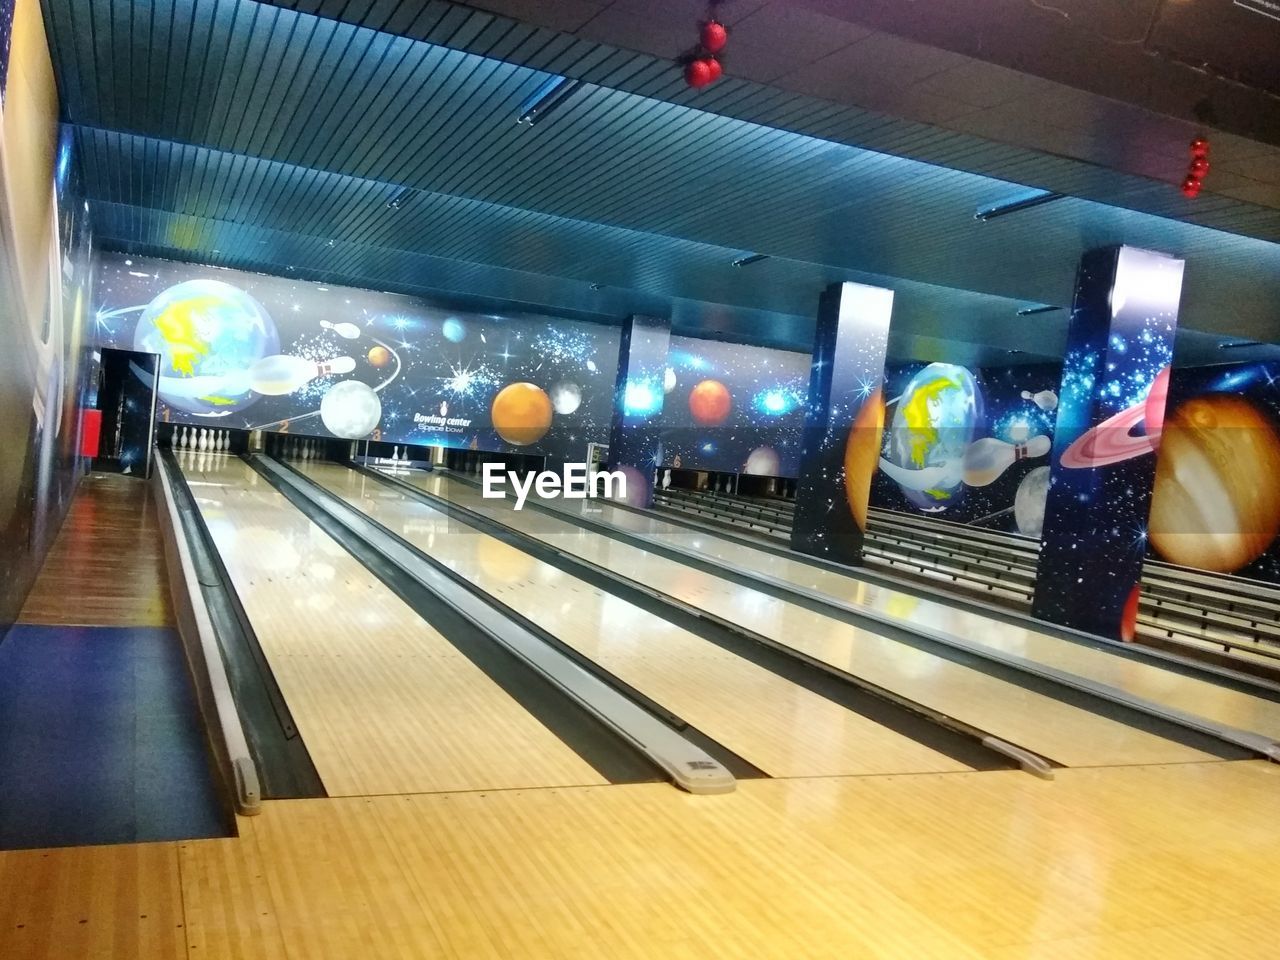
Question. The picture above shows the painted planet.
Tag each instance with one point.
(1213, 506)
(710, 403)
(1029, 501)
(379, 356)
(454, 330)
(1113, 440)
(764, 462)
(350, 409)
(521, 413)
(1129, 615)
(208, 333)
(862, 454)
(566, 397)
(934, 420)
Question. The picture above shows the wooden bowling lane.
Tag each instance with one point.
(384, 703)
(775, 724)
(1140, 678)
(1056, 730)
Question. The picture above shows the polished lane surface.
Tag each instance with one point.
(777, 725)
(1056, 730)
(384, 703)
(1138, 677)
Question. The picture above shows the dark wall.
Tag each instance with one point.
(249, 351)
(733, 407)
(45, 265)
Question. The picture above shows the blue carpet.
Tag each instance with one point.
(100, 740)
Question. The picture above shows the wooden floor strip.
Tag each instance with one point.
(106, 566)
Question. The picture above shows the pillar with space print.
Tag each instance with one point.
(1115, 378)
(844, 422)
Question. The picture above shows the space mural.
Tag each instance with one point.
(1216, 503)
(249, 351)
(969, 446)
(733, 407)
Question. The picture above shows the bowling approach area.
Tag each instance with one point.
(744, 479)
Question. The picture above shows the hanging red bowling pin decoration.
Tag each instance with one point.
(702, 66)
(1197, 169)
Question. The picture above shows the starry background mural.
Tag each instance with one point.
(248, 351)
(733, 407)
(1216, 504)
(1011, 404)
(1114, 383)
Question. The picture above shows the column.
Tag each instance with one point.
(635, 440)
(843, 423)
(1115, 376)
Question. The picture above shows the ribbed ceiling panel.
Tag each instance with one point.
(231, 125)
(476, 30)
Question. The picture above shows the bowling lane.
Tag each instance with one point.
(384, 703)
(779, 726)
(1059, 731)
(1142, 679)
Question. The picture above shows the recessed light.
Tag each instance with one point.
(1022, 201)
(1032, 311)
(749, 260)
(553, 92)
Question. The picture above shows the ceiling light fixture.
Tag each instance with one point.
(750, 259)
(396, 202)
(551, 94)
(1237, 344)
(1032, 311)
(1023, 201)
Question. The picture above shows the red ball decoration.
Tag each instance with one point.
(1191, 187)
(1199, 147)
(698, 74)
(1199, 167)
(714, 36)
(716, 70)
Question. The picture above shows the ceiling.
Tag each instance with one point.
(246, 135)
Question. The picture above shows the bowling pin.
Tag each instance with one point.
(1045, 399)
(282, 374)
(987, 459)
(202, 440)
(348, 331)
(226, 440)
(182, 439)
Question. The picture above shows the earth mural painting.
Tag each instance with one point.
(968, 445)
(247, 351)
